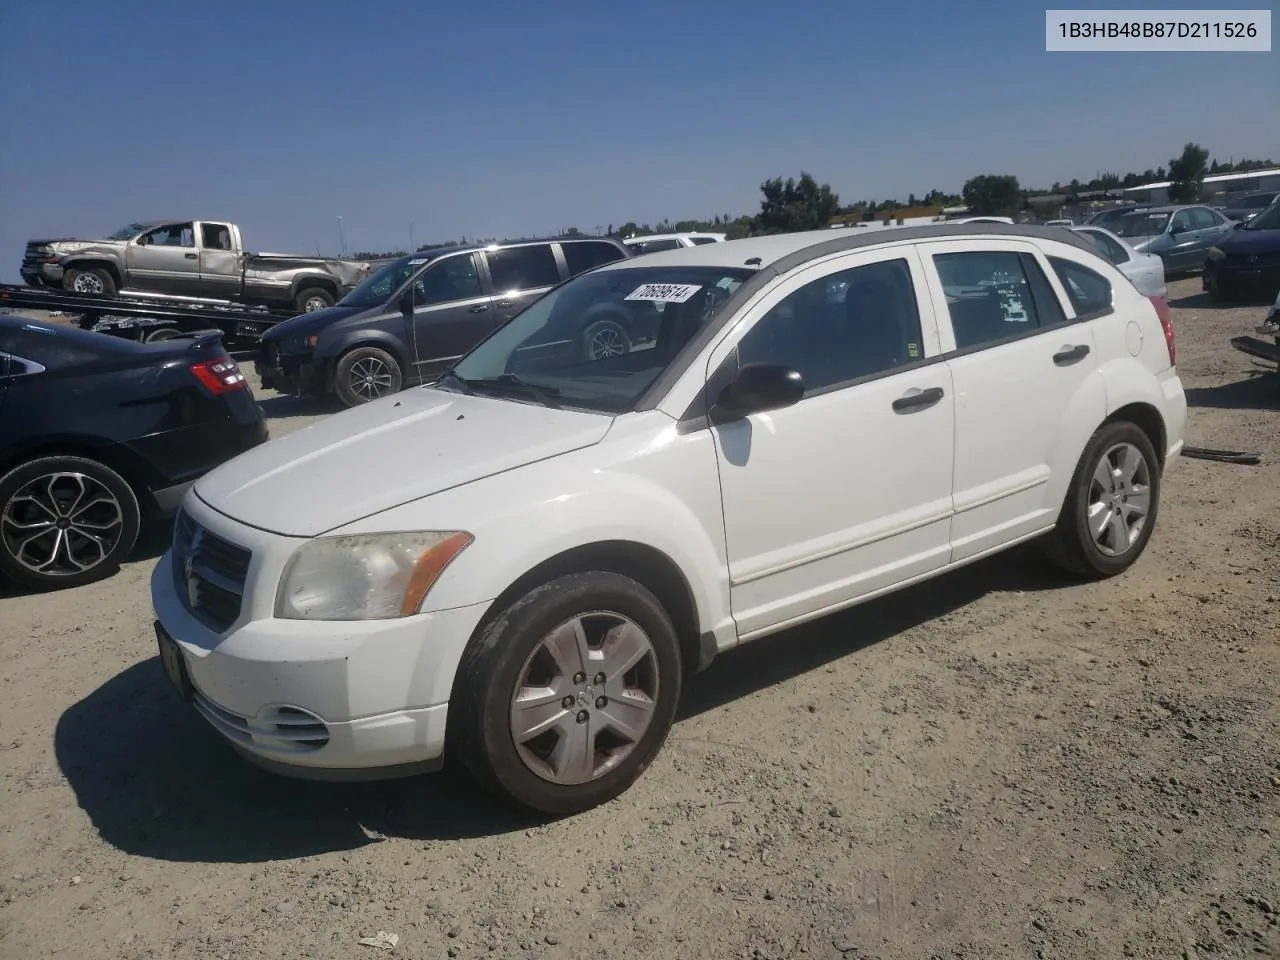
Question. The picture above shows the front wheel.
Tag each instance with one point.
(65, 522)
(1111, 507)
(565, 698)
(366, 373)
(93, 282)
(605, 338)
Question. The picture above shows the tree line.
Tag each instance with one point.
(794, 204)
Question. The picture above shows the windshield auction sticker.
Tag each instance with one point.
(664, 292)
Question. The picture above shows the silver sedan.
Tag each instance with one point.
(1145, 270)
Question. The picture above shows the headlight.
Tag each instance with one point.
(374, 576)
(1216, 254)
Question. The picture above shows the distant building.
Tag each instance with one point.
(1215, 186)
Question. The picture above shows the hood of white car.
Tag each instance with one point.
(385, 453)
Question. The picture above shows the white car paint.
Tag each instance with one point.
(888, 499)
(680, 240)
(1144, 270)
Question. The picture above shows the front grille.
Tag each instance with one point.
(209, 573)
(1253, 260)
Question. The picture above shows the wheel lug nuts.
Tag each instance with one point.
(601, 702)
(567, 702)
(579, 677)
(582, 716)
(600, 678)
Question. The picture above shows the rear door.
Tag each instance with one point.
(165, 259)
(220, 262)
(452, 312)
(520, 275)
(1024, 373)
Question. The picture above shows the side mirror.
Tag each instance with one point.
(758, 387)
(406, 302)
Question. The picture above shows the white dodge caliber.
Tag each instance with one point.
(523, 562)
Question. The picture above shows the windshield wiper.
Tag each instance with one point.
(507, 381)
(460, 381)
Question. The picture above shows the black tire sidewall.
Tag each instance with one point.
(342, 374)
(129, 507)
(1108, 436)
(491, 667)
(108, 284)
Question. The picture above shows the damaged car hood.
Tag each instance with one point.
(381, 454)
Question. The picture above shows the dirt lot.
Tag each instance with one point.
(997, 764)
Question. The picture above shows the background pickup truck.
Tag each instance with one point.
(202, 259)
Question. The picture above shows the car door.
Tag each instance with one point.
(1212, 227)
(847, 492)
(220, 263)
(164, 260)
(452, 312)
(520, 275)
(1184, 242)
(1023, 372)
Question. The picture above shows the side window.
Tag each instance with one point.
(1109, 248)
(990, 295)
(698, 241)
(843, 326)
(1090, 292)
(581, 256)
(1203, 218)
(215, 236)
(447, 280)
(170, 235)
(523, 268)
(1181, 221)
(653, 246)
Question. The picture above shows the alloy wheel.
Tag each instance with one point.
(88, 283)
(585, 697)
(1119, 499)
(370, 378)
(607, 342)
(61, 524)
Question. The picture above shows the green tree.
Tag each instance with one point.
(795, 205)
(629, 229)
(992, 194)
(1186, 174)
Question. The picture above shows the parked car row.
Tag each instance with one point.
(525, 560)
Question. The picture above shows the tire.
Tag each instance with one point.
(509, 654)
(312, 299)
(605, 338)
(366, 373)
(162, 333)
(65, 559)
(93, 281)
(1072, 545)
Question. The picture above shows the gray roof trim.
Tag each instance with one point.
(661, 386)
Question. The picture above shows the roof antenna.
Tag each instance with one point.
(752, 260)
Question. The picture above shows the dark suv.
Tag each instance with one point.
(415, 316)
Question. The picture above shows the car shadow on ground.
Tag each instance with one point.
(280, 405)
(1261, 391)
(157, 781)
(153, 540)
(1203, 301)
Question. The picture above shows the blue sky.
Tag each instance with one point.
(512, 118)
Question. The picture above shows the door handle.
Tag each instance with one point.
(504, 303)
(917, 399)
(478, 308)
(1072, 354)
(191, 256)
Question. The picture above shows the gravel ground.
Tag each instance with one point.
(996, 764)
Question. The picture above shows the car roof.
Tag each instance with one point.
(785, 250)
(89, 339)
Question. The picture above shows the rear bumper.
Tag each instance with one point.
(183, 456)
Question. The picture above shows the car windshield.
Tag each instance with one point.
(598, 341)
(1268, 219)
(376, 288)
(1249, 200)
(1139, 224)
(129, 232)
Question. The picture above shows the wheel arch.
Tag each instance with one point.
(1149, 420)
(326, 283)
(133, 470)
(93, 263)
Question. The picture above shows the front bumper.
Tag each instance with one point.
(320, 700)
(1229, 277)
(288, 373)
(35, 274)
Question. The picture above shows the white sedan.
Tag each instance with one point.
(527, 559)
(1145, 270)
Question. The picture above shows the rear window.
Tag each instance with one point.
(523, 268)
(1089, 292)
(581, 256)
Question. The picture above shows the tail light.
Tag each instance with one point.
(220, 375)
(1166, 324)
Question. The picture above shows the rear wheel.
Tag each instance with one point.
(366, 373)
(93, 281)
(162, 333)
(564, 699)
(1111, 506)
(65, 522)
(313, 299)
